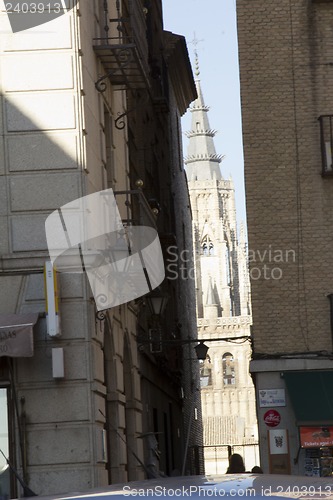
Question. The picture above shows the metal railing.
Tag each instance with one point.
(134, 208)
(122, 45)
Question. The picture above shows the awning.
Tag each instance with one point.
(311, 394)
(16, 334)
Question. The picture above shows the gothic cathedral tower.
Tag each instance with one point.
(223, 300)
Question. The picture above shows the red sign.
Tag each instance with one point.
(272, 418)
(316, 437)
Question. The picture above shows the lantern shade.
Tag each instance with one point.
(157, 301)
(201, 351)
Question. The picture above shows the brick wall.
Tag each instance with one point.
(286, 55)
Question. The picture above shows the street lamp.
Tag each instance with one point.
(201, 351)
(157, 300)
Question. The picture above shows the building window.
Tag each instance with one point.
(228, 368)
(205, 372)
(326, 140)
(207, 246)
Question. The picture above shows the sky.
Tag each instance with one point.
(214, 24)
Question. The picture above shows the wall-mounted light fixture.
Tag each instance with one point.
(201, 351)
(157, 301)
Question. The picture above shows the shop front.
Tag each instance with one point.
(318, 445)
(295, 415)
(311, 395)
(16, 341)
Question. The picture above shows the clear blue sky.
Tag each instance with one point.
(214, 22)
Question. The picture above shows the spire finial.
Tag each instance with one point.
(195, 42)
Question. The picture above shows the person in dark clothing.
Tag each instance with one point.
(236, 464)
(257, 470)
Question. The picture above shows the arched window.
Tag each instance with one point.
(205, 372)
(228, 368)
(207, 246)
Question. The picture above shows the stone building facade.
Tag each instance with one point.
(285, 53)
(92, 100)
(223, 300)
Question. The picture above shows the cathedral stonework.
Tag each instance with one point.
(223, 301)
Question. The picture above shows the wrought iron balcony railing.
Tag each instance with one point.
(122, 47)
(134, 208)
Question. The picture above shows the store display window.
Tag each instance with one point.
(318, 444)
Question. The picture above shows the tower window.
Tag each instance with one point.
(205, 372)
(228, 368)
(207, 246)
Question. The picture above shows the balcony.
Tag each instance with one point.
(134, 208)
(122, 47)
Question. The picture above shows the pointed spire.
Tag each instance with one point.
(195, 42)
(202, 161)
(199, 103)
(197, 70)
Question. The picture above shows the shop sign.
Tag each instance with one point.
(16, 334)
(270, 398)
(16, 342)
(316, 437)
(272, 418)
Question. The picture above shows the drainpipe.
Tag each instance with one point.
(330, 297)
